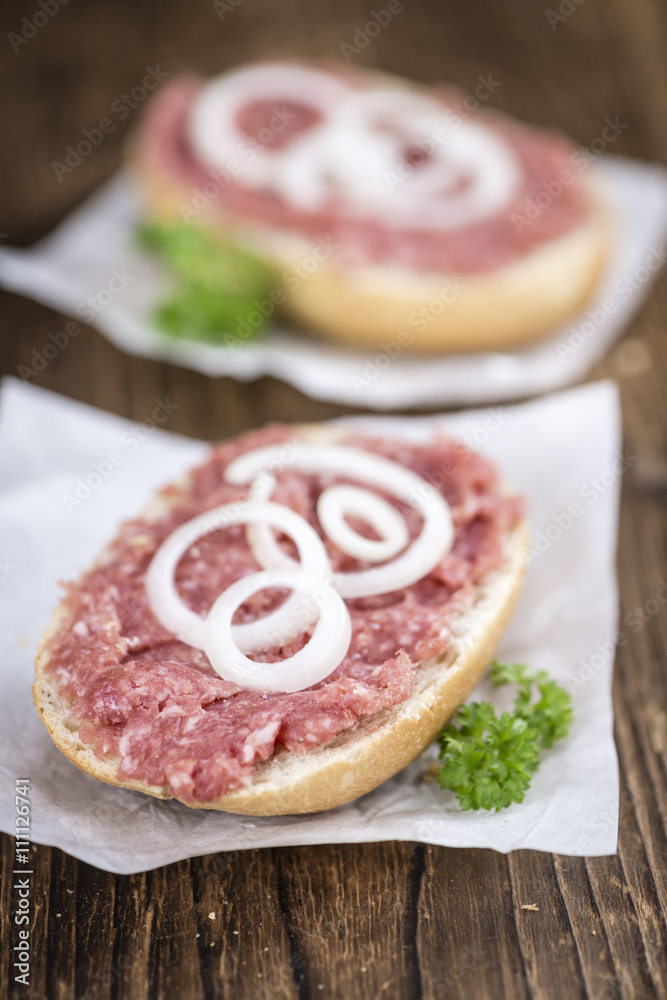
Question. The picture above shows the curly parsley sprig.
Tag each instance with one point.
(217, 285)
(489, 759)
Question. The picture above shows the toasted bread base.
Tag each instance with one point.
(515, 305)
(357, 760)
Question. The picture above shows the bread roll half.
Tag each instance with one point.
(366, 304)
(357, 760)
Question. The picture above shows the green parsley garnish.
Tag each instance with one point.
(488, 758)
(219, 286)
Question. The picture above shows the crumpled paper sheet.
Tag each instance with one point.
(90, 249)
(559, 451)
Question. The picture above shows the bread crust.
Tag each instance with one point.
(359, 759)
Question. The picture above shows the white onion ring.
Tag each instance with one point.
(429, 193)
(316, 594)
(322, 653)
(186, 624)
(359, 143)
(423, 555)
(338, 501)
(217, 139)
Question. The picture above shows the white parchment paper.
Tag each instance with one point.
(560, 451)
(90, 249)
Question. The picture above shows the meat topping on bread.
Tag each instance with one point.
(155, 703)
(532, 190)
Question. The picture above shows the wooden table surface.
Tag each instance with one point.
(394, 920)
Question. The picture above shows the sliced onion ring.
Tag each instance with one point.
(431, 195)
(216, 137)
(316, 660)
(351, 153)
(423, 555)
(337, 502)
(186, 624)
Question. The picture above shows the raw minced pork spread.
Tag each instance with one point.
(156, 703)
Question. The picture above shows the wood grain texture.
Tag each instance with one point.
(397, 921)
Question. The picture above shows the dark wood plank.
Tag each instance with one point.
(466, 939)
(350, 915)
(593, 948)
(244, 947)
(65, 904)
(132, 930)
(546, 930)
(173, 961)
(361, 921)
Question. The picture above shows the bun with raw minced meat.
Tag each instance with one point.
(385, 211)
(288, 626)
